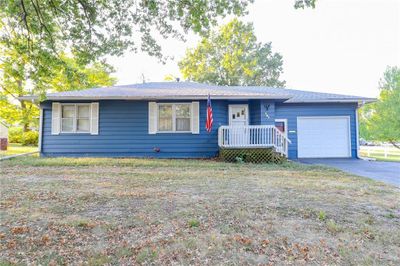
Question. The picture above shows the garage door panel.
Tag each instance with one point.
(323, 137)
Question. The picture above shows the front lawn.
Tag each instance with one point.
(138, 211)
(15, 148)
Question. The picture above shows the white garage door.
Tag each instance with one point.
(323, 137)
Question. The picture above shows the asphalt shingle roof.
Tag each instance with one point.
(193, 90)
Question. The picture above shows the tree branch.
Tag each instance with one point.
(87, 18)
(44, 26)
(41, 20)
(24, 18)
(394, 144)
(9, 92)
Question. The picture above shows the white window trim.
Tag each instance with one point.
(174, 117)
(75, 118)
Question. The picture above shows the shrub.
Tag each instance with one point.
(15, 135)
(239, 159)
(30, 138)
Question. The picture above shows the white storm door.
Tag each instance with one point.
(238, 119)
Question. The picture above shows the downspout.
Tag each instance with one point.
(357, 131)
(40, 129)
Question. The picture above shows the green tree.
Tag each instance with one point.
(37, 36)
(23, 73)
(381, 120)
(171, 77)
(364, 114)
(232, 56)
(91, 29)
(72, 76)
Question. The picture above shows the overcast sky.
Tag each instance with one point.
(341, 46)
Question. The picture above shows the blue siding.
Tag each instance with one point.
(267, 112)
(292, 111)
(259, 109)
(123, 131)
(255, 112)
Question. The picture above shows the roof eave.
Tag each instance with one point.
(29, 98)
(193, 97)
(199, 97)
(361, 100)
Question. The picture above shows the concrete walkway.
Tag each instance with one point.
(388, 172)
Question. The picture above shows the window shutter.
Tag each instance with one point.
(152, 117)
(195, 118)
(55, 118)
(94, 119)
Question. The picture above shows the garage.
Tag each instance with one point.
(323, 137)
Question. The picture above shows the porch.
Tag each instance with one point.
(253, 136)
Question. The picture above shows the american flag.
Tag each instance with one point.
(209, 120)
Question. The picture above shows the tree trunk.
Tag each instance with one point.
(24, 109)
(394, 144)
(25, 122)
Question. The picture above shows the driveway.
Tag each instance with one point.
(388, 172)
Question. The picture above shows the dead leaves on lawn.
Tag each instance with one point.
(17, 230)
(279, 249)
(230, 214)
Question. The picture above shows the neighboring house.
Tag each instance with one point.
(3, 130)
(167, 120)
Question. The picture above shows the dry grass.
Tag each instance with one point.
(15, 148)
(138, 211)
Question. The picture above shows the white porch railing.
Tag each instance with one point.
(262, 136)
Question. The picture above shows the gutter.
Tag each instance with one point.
(172, 97)
(195, 97)
(364, 100)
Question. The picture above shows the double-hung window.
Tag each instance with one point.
(174, 117)
(75, 118)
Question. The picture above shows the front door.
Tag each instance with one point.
(239, 118)
(238, 115)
